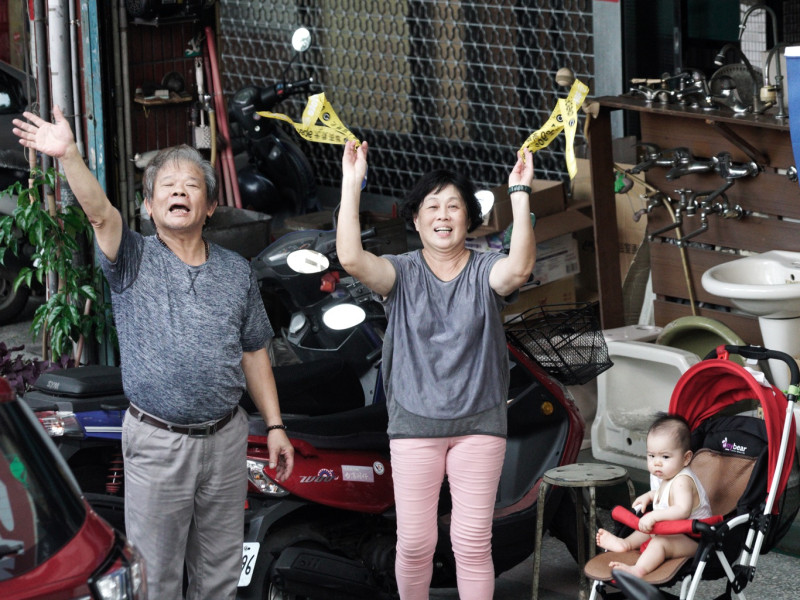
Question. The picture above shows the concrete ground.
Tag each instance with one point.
(776, 577)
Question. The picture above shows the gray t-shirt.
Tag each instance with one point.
(182, 329)
(444, 354)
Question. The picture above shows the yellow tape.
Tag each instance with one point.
(319, 122)
(564, 116)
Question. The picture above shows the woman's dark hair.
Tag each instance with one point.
(435, 181)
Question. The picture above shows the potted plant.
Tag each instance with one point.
(74, 309)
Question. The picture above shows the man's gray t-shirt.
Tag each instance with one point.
(445, 355)
(182, 329)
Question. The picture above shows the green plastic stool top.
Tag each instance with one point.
(699, 335)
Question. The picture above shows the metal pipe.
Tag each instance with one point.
(775, 41)
(42, 72)
(60, 76)
(129, 192)
(122, 168)
(76, 84)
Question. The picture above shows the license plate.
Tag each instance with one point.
(249, 554)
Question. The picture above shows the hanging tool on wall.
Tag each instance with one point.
(202, 132)
(228, 168)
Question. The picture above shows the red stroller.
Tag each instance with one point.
(744, 462)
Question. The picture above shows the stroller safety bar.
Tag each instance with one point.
(688, 526)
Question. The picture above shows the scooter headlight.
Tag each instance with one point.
(261, 482)
(60, 423)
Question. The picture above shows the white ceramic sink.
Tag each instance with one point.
(765, 285)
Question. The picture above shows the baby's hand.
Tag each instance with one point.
(646, 523)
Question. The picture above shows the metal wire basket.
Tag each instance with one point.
(564, 339)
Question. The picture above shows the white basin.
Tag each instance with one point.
(764, 285)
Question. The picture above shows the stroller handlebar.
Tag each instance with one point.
(758, 353)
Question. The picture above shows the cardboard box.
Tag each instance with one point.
(547, 198)
(561, 291)
(547, 228)
(631, 233)
(556, 259)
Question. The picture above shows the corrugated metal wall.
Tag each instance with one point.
(428, 82)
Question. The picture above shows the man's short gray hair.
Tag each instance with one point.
(178, 154)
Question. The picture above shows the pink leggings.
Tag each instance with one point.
(472, 464)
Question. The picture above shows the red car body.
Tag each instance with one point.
(52, 544)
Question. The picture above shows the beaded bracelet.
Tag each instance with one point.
(271, 427)
(519, 188)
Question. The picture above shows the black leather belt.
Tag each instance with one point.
(194, 431)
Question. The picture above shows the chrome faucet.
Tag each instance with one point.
(652, 157)
(707, 208)
(778, 76)
(684, 163)
(730, 170)
(697, 88)
(686, 205)
(653, 200)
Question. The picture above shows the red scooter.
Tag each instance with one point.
(329, 531)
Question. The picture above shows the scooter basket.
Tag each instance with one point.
(564, 339)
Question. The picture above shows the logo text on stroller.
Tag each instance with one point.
(733, 447)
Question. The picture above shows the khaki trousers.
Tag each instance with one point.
(184, 501)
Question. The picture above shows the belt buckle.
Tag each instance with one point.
(201, 432)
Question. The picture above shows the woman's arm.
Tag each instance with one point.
(373, 271)
(509, 273)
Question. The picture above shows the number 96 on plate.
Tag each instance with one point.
(249, 555)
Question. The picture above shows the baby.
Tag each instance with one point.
(675, 493)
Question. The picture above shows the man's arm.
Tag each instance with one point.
(56, 140)
(261, 387)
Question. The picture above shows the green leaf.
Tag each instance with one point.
(89, 292)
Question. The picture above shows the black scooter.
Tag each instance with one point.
(278, 178)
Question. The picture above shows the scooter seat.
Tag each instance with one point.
(363, 428)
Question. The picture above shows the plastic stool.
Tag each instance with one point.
(578, 475)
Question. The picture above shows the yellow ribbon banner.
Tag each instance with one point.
(319, 122)
(564, 116)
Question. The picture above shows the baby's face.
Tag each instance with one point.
(665, 458)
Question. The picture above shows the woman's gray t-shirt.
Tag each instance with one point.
(182, 329)
(445, 360)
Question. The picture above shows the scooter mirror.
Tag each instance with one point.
(307, 261)
(486, 200)
(301, 39)
(343, 316)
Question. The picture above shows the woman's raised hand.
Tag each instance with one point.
(354, 160)
(522, 173)
(53, 139)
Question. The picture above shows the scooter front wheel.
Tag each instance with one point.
(12, 302)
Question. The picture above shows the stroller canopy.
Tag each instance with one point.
(710, 385)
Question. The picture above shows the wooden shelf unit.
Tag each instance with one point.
(771, 200)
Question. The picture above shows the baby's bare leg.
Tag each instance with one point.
(632, 569)
(608, 541)
(662, 547)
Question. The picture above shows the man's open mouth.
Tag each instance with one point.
(179, 208)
